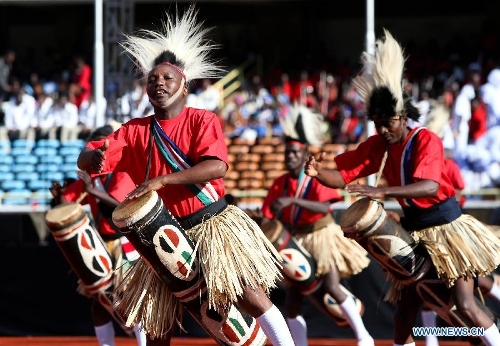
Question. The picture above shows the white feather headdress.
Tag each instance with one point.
(384, 69)
(303, 124)
(183, 37)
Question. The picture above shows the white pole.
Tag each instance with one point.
(99, 65)
(370, 48)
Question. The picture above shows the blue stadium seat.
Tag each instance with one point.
(6, 159)
(45, 151)
(5, 167)
(34, 185)
(47, 167)
(53, 176)
(52, 159)
(28, 176)
(69, 151)
(19, 193)
(48, 143)
(71, 174)
(71, 159)
(23, 167)
(26, 158)
(23, 143)
(6, 175)
(69, 167)
(8, 185)
(76, 143)
(8, 200)
(20, 151)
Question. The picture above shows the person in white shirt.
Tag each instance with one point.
(66, 114)
(19, 114)
(45, 120)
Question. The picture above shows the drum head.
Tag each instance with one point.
(132, 210)
(361, 214)
(272, 230)
(63, 214)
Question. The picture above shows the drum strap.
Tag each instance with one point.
(303, 189)
(405, 163)
(179, 161)
(194, 219)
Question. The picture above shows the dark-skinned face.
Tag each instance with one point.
(163, 81)
(393, 129)
(295, 156)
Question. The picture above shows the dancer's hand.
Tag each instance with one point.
(313, 165)
(150, 185)
(98, 157)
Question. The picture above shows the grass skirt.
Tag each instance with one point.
(329, 247)
(233, 253)
(462, 248)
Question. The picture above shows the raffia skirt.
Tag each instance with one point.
(329, 247)
(463, 248)
(233, 254)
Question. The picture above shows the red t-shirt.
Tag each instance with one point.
(317, 192)
(426, 163)
(118, 187)
(453, 172)
(196, 132)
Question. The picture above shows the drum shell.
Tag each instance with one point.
(162, 242)
(84, 249)
(146, 236)
(387, 241)
(299, 267)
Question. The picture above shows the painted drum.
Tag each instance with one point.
(162, 242)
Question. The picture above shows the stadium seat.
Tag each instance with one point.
(75, 143)
(23, 143)
(45, 151)
(69, 151)
(20, 151)
(47, 167)
(40, 184)
(70, 175)
(5, 167)
(48, 143)
(26, 159)
(23, 167)
(53, 176)
(6, 175)
(52, 159)
(41, 196)
(28, 176)
(6, 159)
(70, 159)
(8, 185)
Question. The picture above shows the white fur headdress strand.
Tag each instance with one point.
(380, 83)
(304, 125)
(183, 37)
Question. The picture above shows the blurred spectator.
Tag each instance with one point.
(81, 86)
(45, 124)
(491, 97)
(6, 64)
(66, 118)
(20, 114)
(208, 96)
(87, 116)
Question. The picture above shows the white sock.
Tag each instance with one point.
(495, 292)
(105, 334)
(491, 336)
(140, 335)
(275, 328)
(351, 313)
(298, 329)
(410, 344)
(429, 320)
